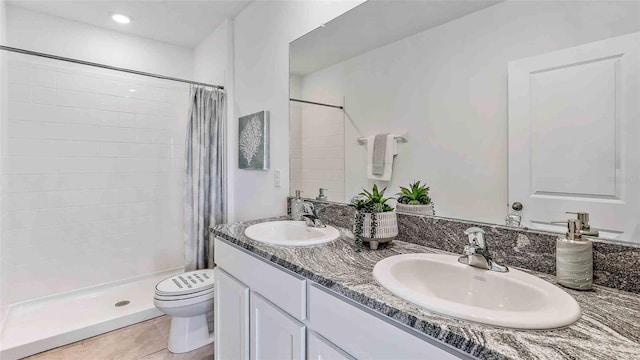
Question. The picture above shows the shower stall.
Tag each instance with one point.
(92, 197)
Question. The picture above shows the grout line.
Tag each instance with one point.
(88, 205)
(90, 124)
(90, 157)
(94, 173)
(153, 353)
(158, 327)
(100, 141)
(84, 189)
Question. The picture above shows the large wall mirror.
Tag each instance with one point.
(491, 103)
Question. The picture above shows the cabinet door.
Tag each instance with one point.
(231, 318)
(321, 349)
(274, 334)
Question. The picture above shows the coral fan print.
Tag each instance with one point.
(253, 140)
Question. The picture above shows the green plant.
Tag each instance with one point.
(415, 194)
(368, 203)
(376, 197)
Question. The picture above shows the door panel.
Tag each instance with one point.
(231, 318)
(573, 136)
(322, 349)
(274, 334)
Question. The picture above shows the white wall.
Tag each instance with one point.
(447, 87)
(211, 56)
(3, 108)
(44, 33)
(213, 64)
(262, 33)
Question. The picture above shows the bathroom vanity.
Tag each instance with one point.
(323, 302)
(281, 315)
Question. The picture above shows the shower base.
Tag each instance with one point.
(37, 325)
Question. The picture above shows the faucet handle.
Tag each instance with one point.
(309, 208)
(476, 236)
(473, 230)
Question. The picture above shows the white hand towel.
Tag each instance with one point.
(379, 152)
(391, 151)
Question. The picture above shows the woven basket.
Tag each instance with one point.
(415, 209)
(386, 231)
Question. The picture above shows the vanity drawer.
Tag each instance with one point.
(283, 288)
(350, 325)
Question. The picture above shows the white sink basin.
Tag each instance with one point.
(291, 233)
(440, 283)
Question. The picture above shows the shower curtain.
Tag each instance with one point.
(204, 186)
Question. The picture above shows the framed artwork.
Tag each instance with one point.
(253, 141)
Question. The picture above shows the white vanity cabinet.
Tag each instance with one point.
(274, 334)
(231, 321)
(320, 348)
(265, 312)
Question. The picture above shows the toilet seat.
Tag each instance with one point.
(205, 293)
(191, 282)
(181, 302)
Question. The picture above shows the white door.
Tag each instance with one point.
(231, 318)
(274, 334)
(574, 136)
(321, 349)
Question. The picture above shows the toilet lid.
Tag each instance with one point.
(205, 294)
(187, 283)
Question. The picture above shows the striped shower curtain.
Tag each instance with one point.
(204, 185)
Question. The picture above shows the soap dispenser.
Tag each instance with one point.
(574, 258)
(322, 195)
(297, 207)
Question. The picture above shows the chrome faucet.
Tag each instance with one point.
(311, 216)
(476, 253)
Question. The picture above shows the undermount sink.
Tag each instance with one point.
(441, 284)
(291, 233)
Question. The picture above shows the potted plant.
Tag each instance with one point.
(375, 221)
(415, 199)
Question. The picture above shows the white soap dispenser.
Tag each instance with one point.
(574, 258)
(297, 207)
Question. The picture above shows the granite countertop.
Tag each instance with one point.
(608, 329)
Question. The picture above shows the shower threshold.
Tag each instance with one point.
(37, 325)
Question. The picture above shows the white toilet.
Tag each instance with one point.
(187, 298)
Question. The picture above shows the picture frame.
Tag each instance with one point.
(253, 141)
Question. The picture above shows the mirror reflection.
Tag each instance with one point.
(500, 112)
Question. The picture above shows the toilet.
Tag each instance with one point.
(187, 298)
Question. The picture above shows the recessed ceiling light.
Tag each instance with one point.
(132, 90)
(122, 19)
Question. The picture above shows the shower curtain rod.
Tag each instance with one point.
(103, 66)
(316, 103)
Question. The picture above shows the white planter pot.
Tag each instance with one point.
(415, 209)
(386, 231)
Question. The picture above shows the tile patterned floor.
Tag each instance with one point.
(143, 341)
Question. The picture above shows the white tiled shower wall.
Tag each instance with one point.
(316, 141)
(322, 143)
(94, 173)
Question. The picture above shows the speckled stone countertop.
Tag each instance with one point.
(609, 327)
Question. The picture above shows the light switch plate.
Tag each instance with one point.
(276, 178)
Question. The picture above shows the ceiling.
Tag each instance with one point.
(371, 25)
(178, 22)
